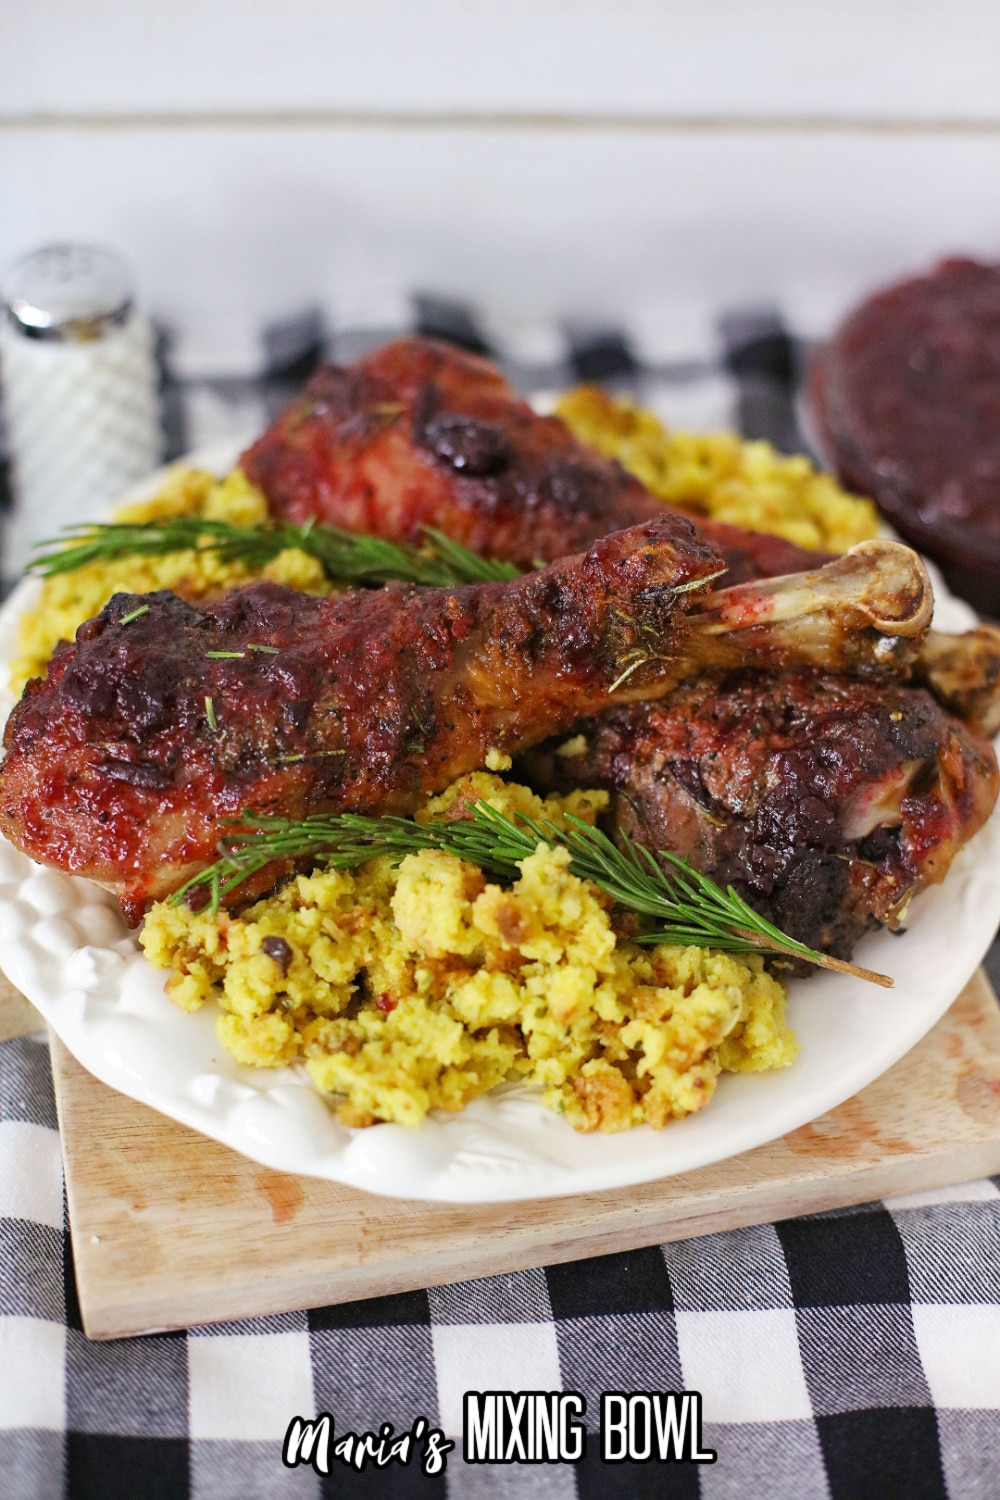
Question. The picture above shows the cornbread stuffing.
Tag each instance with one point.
(68, 599)
(421, 987)
(720, 475)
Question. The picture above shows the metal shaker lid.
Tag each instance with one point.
(72, 293)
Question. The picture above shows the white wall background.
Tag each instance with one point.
(642, 158)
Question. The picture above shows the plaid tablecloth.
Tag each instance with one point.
(852, 1355)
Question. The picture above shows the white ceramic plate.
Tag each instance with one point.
(63, 944)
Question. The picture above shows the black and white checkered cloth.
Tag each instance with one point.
(739, 370)
(847, 1356)
(854, 1356)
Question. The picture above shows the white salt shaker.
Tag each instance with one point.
(79, 391)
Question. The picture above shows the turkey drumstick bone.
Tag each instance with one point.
(866, 612)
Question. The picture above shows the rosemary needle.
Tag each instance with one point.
(134, 614)
(213, 722)
(684, 906)
(346, 557)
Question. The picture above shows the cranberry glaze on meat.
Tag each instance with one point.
(162, 720)
(421, 434)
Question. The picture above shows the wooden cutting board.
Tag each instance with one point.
(171, 1229)
(17, 1016)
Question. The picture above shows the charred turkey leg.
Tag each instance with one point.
(421, 434)
(162, 719)
(827, 802)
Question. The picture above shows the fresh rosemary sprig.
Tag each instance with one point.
(345, 556)
(687, 907)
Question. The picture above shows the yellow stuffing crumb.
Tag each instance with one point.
(421, 987)
(721, 475)
(570, 749)
(70, 598)
(512, 799)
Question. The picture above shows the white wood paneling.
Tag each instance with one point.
(874, 59)
(228, 226)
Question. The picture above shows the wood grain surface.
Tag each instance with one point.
(171, 1229)
(17, 1015)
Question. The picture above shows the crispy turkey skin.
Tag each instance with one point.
(419, 433)
(827, 802)
(162, 719)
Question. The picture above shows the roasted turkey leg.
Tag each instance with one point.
(419, 434)
(826, 801)
(162, 719)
